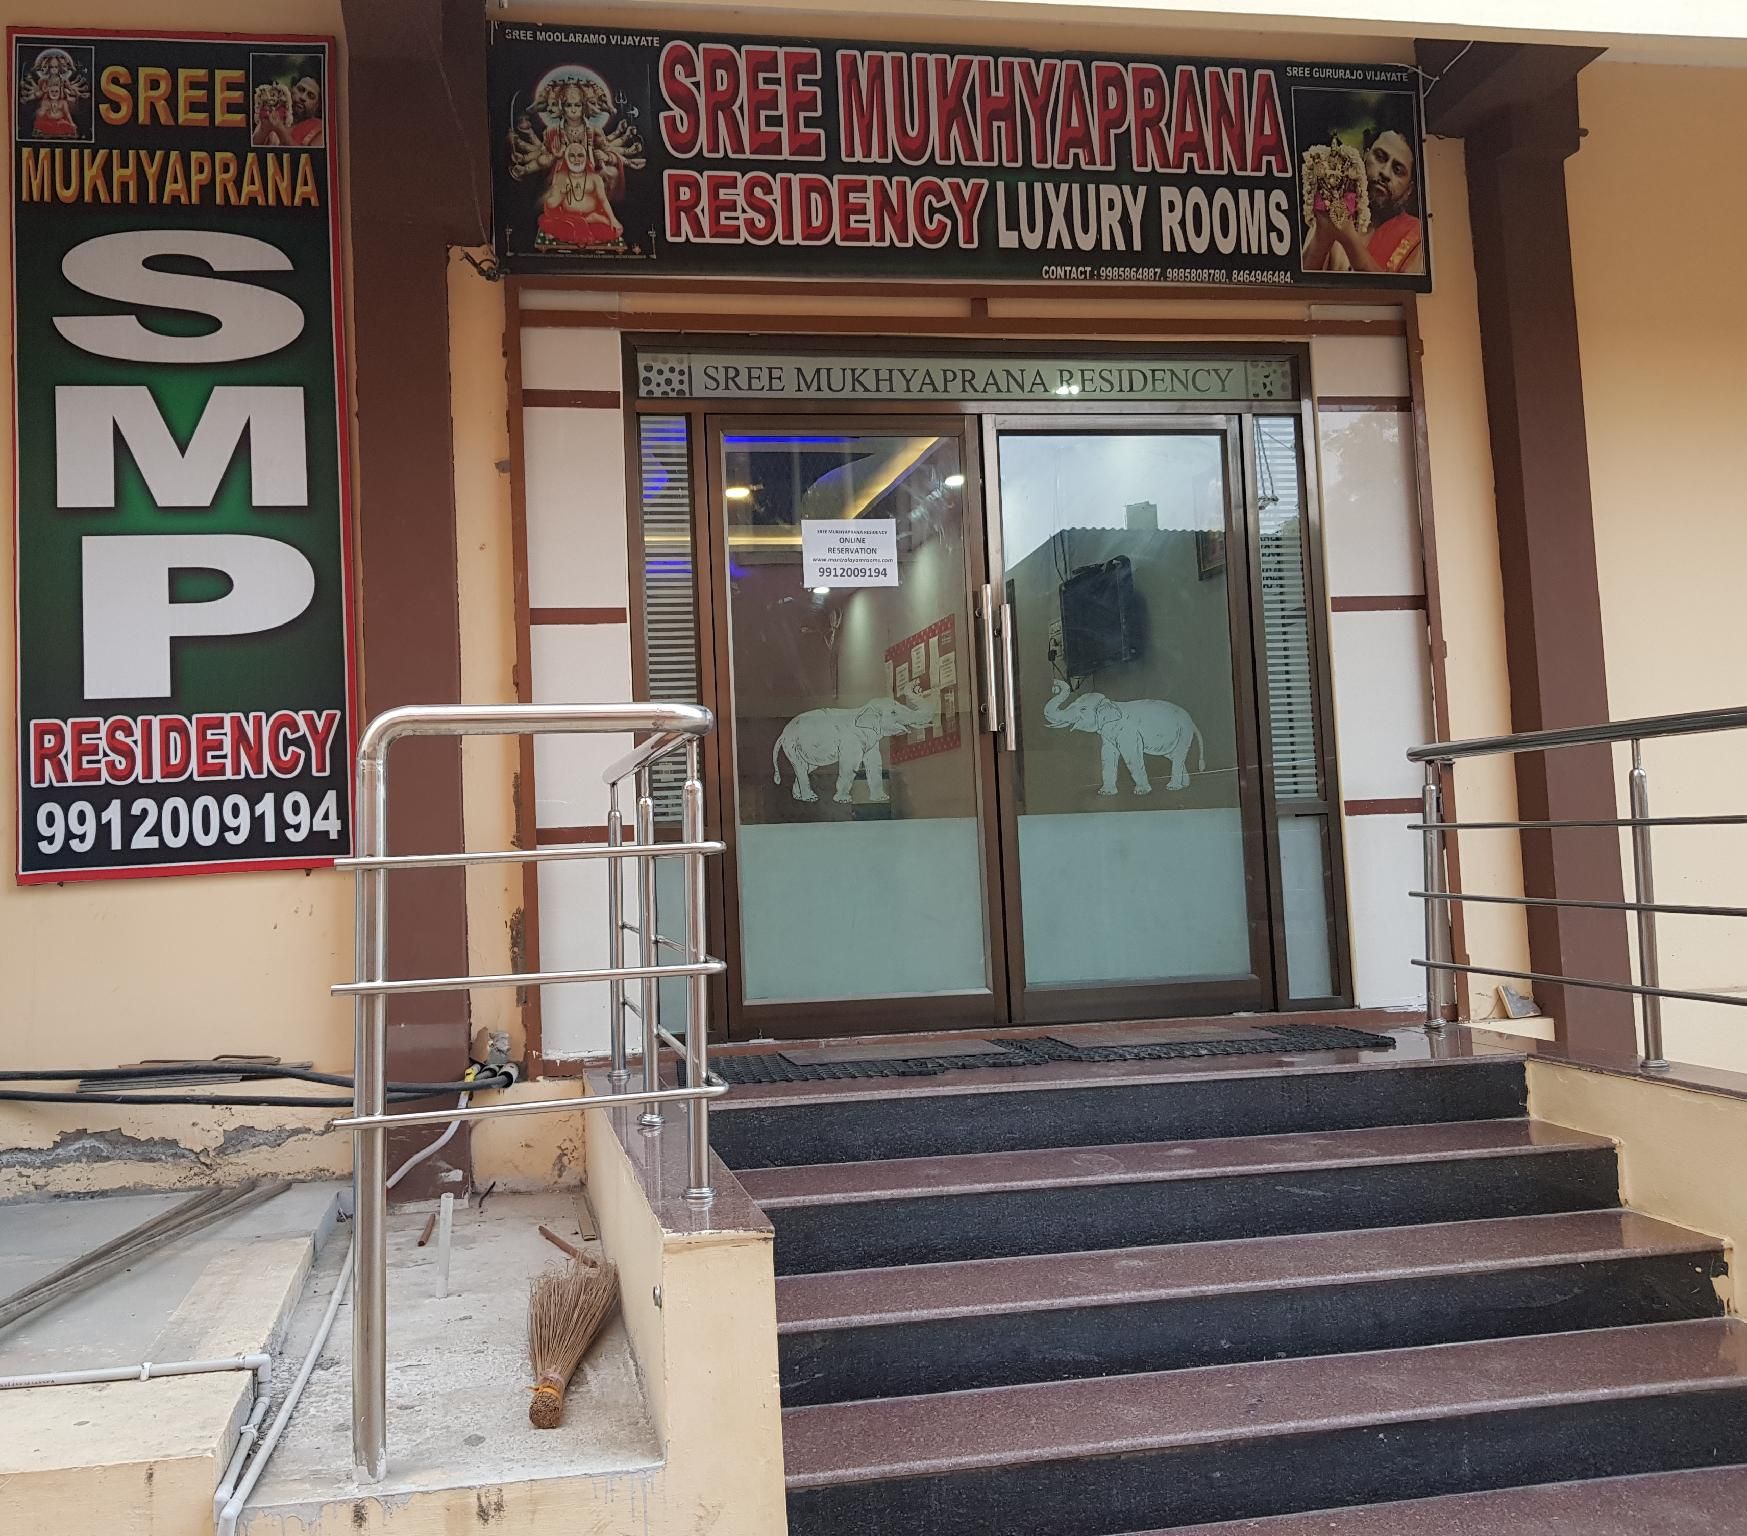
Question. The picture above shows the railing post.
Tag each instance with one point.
(617, 1071)
(650, 992)
(1644, 884)
(697, 1024)
(1431, 815)
(369, 1149)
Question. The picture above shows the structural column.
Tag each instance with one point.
(410, 198)
(1516, 151)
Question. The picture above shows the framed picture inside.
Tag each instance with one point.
(1209, 552)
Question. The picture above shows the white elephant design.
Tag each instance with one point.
(850, 738)
(1132, 732)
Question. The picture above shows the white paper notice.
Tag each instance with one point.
(840, 552)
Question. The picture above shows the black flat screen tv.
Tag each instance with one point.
(1101, 621)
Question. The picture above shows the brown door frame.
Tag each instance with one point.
(904, 1013)
(1251, 992)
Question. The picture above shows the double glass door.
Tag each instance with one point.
(990, 741)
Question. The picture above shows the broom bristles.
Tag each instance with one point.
(566, 1308)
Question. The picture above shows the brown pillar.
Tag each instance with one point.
(413, 192)
(1553, 633)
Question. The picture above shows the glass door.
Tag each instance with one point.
(1135, 881)
(858, 780)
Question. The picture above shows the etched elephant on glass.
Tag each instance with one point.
(848, 737)
(1132, 732)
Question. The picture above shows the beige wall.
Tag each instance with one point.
(113, 971)
(1464, 524)
(1663, 322)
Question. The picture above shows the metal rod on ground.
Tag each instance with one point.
(57, 1288)
(175, 1216)
(1434, 884)
(651, 994)
(617, 1071)
(445, 1244)
(369, 1143)
(697, 1026)
(1644, 878)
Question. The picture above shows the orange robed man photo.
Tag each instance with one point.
(1393, 238)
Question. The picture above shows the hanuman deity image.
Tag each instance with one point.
(569, 137)
(54, 84)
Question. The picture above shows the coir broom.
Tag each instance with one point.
(566, 1308)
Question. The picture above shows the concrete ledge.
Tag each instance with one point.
(1681, 1147)
(144, 1456)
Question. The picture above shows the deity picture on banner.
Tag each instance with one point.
(577, 144)
(54, 93)
(926, 664)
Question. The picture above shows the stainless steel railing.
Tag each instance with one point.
(1438, 898)
(673, 728)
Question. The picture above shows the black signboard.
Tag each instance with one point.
(688, 155)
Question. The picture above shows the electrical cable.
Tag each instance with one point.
(246, 1070)
(203, 1100)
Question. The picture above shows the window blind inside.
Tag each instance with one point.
(1286, 611)
(670, 623)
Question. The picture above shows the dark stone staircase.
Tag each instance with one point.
(1347, 1296)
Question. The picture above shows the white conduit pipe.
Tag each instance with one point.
(233, 1505)
(146, 1370)
(228, 1506)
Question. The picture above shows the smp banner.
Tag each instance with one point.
(182, 606)
(648, 153)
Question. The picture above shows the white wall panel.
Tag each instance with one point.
(571, 357)
(1382, 701)
(1388, 928)
(573, 936)
(574, 477)
(1359, 365)
(1370, 507)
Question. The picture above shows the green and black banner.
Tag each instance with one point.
(183, 617)
(688, 155)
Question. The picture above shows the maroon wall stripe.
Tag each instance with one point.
(574, 399)
(1403, 602)
(1401, 404)
(579, 616)
(1408, 806)
(547, 837)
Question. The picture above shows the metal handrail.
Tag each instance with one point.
(1692, 722)
(1438, 898)
(670, 728)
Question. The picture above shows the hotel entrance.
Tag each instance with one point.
(1020, 701)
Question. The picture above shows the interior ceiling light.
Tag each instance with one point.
(737, 492)
(955, 481)
(821, 591)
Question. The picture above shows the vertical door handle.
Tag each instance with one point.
(1010, 714)
(991, 683)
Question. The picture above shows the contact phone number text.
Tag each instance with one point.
(199, 821)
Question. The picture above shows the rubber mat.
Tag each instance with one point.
(1046, 1050)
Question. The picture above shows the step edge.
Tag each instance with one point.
(1471, 1499)
(931, 1087)
(1698, 1246)
(1132, 1445)
(1580, 1142)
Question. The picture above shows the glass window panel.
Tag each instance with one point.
(1304, 889)
(857, 846)
(1131, 847)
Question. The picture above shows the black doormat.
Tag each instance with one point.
(1045, 1050)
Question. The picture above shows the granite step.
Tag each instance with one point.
(928, 1210)
(1707, 1501)
(994, 1322)
(996, 1110)
(1163, 1450)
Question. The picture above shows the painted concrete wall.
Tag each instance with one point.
(1663, 322)
(1464, 525)
(100, 973)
